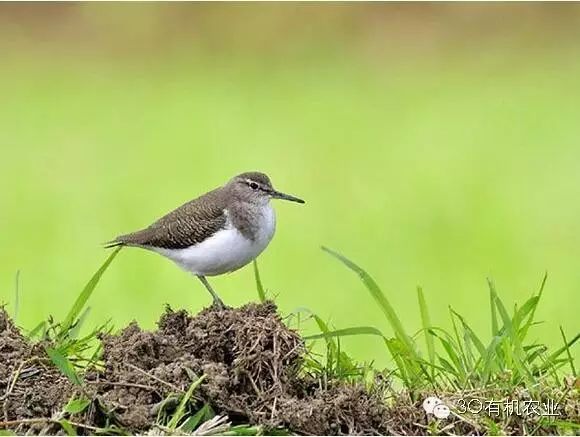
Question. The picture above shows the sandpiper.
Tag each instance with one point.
(219, 232)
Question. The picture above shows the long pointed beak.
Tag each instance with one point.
(283, 196)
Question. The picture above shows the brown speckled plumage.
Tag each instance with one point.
(185, 226)
(200, 218)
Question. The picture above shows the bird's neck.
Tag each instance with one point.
(248, 217)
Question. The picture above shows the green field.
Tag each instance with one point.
(437, 171)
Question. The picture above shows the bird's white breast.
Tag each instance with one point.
(226, 250)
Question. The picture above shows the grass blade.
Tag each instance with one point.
(192, 422)
(259, 286)
(426, 322)
(570, 359)
(63, 364)
(331, 346)
(180, 412)
(67, 427)
(494, 325)
(530, 320)
(507, 323)
(554, 355)
(74, 331)
(395, 349)
(357, 330)
(381, 299)
(490, 358)
(459, 342)
(450, 348)
(528, 308)
(85, 294)
(470, 333)
(77, 406)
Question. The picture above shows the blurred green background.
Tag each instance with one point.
(435, 144)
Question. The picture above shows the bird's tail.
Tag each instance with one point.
(131, 239)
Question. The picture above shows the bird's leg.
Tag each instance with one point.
(216, 300)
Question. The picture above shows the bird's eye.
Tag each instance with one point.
(254, 186)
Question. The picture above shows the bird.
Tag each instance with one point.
(219, 232)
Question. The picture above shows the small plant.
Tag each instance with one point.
(465, 361)
(507, 365)
(68, 351)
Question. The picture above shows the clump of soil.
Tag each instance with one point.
(250, 361)
(30, 385)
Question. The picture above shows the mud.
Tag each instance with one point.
(251, 364)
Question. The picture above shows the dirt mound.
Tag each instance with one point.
(30, 385)
(251, 365)
(251, 362)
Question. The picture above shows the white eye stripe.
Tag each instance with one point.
(255, 185)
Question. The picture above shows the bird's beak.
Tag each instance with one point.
(279, 195)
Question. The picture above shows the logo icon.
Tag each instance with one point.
(435, 406)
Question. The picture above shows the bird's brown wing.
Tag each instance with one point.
(185, 226)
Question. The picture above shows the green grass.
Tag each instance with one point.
(459, 365)
(464, 362)
(432, 171)
(457, 362)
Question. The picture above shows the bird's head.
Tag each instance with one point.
(256, 187)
